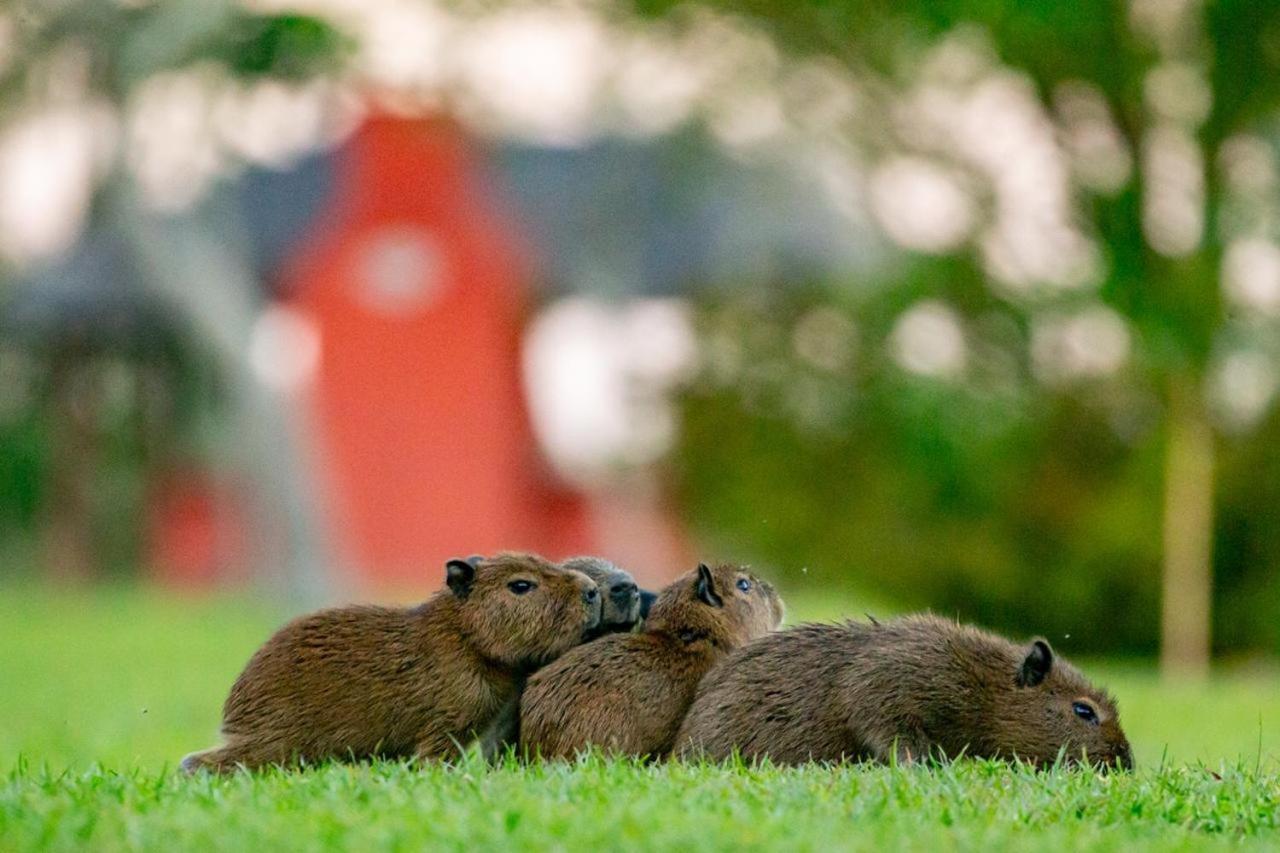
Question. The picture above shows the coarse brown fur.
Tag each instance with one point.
(623, 608)
(911, 688)
(363, 681)
(627, 693)
(623, 602)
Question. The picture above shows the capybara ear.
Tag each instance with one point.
(1035, 667)
(475, 560)
(706, 587)
(646, 602)
(461, 574)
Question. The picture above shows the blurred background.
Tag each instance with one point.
(967, 305)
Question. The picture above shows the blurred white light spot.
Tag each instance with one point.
(820, 96)
(1248, 164)
(1021, 252)
(403, 43)
(173, 150)
(1251, 275)
(825, 338)
(1242, 388)
(962, 56)
(1099, 154)
(47, 166)
(269, 122)
(748, 120)
(598, 379)
(1173, 204)
(534, 71)
(284, 348)
(1091, 344)
(1164, 22)
(995, 125)
(656, 84)
(399, 271)
(1177, 91)
(660, 341)
(920, 204)
(929, 340)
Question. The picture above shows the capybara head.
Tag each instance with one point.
(727, 605)
(521, 610)
(623, 603)
(1053, 709)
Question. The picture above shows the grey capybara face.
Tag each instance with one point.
(624, 604)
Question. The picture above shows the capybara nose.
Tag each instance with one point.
(646, 601)
(1124, 757)
(624, 594)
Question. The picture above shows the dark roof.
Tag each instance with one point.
(620, 217)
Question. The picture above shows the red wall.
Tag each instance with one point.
(418, 292)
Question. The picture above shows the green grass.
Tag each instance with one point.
(101, 693)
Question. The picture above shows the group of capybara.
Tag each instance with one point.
(556, 658)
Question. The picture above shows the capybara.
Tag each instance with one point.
(627, 693)
(364, 681)
(911, 689)
(625, 605)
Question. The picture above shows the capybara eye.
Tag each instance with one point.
(521, 587)
(1085, 711)
(744, 584)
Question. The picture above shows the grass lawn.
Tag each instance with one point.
(101, 693)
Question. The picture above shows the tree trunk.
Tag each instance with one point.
(67, 526)
(203, 275)
(1188, 538)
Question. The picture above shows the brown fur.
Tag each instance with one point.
(624, 605)
(362, 681)
(627, 693)
(619, 594)
(911, 688)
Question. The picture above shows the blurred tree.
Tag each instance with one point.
(95, 60)
(1187, 91)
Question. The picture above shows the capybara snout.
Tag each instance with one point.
(622, 605)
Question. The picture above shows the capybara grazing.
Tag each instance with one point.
(912, 688)
(627, 693)
(363, 681)
(624, 605)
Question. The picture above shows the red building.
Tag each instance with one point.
(417, 289)
(416, 284)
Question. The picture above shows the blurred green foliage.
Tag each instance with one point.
(123, 44)
(148, 406)
(1000, 503)
(148, 398)
(1028, 507)
(1052, 43)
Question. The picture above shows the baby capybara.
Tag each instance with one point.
(912, 688)
(363, 681)
(624, 605)
(627, 693)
